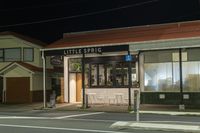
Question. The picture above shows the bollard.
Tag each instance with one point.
(137, 103)
(86, 101)
(138, 106)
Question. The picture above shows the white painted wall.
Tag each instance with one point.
(72, 87)
(38, 82)
(17, 72)
(10, 41)
(108, 95)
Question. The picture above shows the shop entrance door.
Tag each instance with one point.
(78, 86)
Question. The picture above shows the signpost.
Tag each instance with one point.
(138, 106)
(136, 92)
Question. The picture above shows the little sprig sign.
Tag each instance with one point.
(89, 50)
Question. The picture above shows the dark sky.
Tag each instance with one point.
(47, 20)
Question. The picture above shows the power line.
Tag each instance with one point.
(36, 6)
(80, 15)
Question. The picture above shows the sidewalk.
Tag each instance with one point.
(105, 108)
(19, 107)
(144, 109)
(151, 109)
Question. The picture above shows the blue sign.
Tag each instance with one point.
(128, 57)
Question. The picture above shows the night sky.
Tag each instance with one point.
(47, 20)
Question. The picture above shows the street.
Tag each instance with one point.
(43, 121)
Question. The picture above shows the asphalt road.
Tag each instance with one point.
(80, 122)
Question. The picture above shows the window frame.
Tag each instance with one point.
(114, 83)
(4, 53)
(24, 54)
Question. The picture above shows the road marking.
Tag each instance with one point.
(58, 128)
(95, 120)
(78, 115)
(22, 117)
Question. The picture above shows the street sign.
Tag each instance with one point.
(128, 57)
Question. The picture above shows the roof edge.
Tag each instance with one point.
(137, 26)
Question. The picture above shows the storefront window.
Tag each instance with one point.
(119, 74)
(161, 72)
(87, 73)
(133, 76)
(160, 77)
(101, 75)
(109, 75)
(94, 75)
(75, 65)
(191, 76)
(191, 71)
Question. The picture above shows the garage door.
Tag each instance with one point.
(18, 90)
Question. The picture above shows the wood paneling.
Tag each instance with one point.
(78, 87)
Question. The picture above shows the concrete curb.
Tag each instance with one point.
(169, 113)
(156, 126)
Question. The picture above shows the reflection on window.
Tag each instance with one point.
(94, 75)
(109, 75)
(125, 74)
(101, 75)
(87, 75)
(119, 74)
(162, 77)
(191, 71)
(191, 76)
(133, 76)
(162, 73)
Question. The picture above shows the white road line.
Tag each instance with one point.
(70, 116)
(58, 128)
(95, 120)
(22, 117)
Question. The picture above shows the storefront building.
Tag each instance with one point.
(107, 65)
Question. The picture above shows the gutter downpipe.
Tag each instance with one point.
(44, 79)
